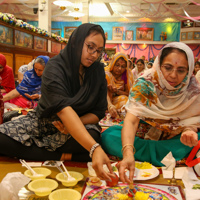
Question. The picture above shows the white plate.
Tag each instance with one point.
(138, 175)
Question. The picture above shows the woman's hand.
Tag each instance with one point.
(99, 158)
(113, 111)
(189, 138)
(34, 96)
(112, 89)
(60, 127)
(128, 162)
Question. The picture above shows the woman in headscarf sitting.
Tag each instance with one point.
(162, 112)
(119, 80)
(139, 69)
(30, 87)
(7, 76)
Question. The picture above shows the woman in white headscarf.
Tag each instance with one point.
(166, 101)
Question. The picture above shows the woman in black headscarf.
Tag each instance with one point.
(73, 98)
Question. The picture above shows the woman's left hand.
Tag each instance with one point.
(34, 96)
(60, 127)
(189, 138)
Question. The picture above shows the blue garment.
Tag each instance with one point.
(146, 150)
(31, 82)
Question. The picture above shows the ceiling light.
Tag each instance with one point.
(76, 14)
(63, 4)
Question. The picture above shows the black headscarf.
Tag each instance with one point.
(60, 81)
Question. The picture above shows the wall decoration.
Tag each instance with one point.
(117, 33)
(40, 43)
(106, 35)
(63, 46)
(183, 36)
(187, 24)
(56, 31)
(23, 39)
(197, 35)
(55, 47)
(68, 31)
(6, 35)
(190, 35)
(144, 34)
(197, 24)
(129, 35)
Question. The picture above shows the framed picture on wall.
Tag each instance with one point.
(40, 43)
(197, 35)
(190, 35)
(197, 24)
(68, 31)
(117, 33)
(55, 47)
(128, 35)
(183, 36)
(6, 35)
(23, 39)
(56, 31)
(187, 24)
(144, 34)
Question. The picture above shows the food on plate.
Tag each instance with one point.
(113, 182)
(94, 181)
(143, 165)
(141, 195)
(146, 174)
(196, 186)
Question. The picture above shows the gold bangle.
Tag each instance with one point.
(127, 145)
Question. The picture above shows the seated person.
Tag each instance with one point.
(149, 65)
(7, 76)
(23, 69)
(162, 114)
(119, 80)
(30, 87)
(74, 93)
(139, 69)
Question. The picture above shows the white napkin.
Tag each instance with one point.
(189, 180)
(170, 163)
(11, 184)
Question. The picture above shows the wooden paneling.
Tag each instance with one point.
(9, 58)
(21, 60)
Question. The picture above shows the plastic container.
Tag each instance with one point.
(42, 187)
(78, 176)
(62, 194)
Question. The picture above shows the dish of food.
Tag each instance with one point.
(143, 171)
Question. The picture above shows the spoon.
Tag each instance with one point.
(59, 168)
(28, 167)
(70, 178)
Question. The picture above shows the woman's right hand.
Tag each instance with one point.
(128, 163)
(99, 158)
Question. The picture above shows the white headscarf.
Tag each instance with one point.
(167, 108)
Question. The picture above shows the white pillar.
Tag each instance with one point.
(44, 17)
(85, 18)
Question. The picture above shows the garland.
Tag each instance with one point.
(10, 19)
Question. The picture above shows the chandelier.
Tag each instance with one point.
(76, 14)
(62, 4)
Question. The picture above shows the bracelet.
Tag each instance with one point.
(93, 148)
(128, 145)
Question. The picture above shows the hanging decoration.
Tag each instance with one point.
(10, 18)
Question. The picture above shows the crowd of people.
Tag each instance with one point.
(74, 90)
